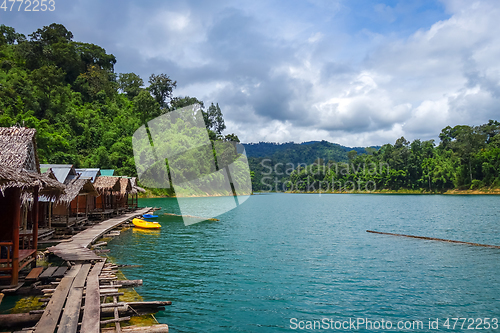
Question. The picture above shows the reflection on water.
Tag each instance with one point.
(143, 231)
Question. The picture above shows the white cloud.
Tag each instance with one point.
(446, 75)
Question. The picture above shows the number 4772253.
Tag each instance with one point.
(28, 5)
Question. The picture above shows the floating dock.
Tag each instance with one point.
(77, 249)
(75, 300)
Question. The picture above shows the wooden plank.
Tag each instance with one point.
(60, 272)
(50, 317)
(71, 313)
(92, 311)
(48, 272)
(35, 272)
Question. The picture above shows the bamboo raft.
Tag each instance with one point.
(434, 239)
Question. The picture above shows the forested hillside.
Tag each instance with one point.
(467, 157)
(277, 155)
(84, 112)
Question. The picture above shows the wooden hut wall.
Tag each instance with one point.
(60, 209)
(10, 205)
(83, 200)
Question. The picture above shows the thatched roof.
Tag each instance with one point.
(106, 183)
(75, 187)
(27, 181)
(125, 187)
(18, 148)
(10, 177)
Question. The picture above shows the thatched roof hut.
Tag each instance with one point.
(18, 148)
(76, 187)
(105, 183)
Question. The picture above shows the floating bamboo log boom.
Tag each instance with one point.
(124, 283)
(434, 239)
(196, 217)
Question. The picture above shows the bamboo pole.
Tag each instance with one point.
(434, 239)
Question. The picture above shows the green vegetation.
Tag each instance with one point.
(285, 157)
(85, 114)
(466, 158)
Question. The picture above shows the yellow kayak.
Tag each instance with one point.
(145, 224)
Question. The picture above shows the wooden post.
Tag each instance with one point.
(77, 207)
(86, 206)
(35, 224)
(67, 215)
(16, 199)
(50, 214)
(25, 219)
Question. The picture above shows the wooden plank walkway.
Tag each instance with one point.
(50, 317)
(77, 249)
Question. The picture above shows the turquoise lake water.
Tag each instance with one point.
(283, 256)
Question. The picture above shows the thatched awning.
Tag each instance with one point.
(48, 187)
(76, 187)
(106, 183)
(10, 177)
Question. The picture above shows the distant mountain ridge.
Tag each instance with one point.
(280, 157)
(268, 149)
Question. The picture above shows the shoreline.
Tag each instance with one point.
(400, 192)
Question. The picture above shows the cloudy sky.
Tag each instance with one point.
(355, 72)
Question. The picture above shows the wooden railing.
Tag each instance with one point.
(6, 264)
